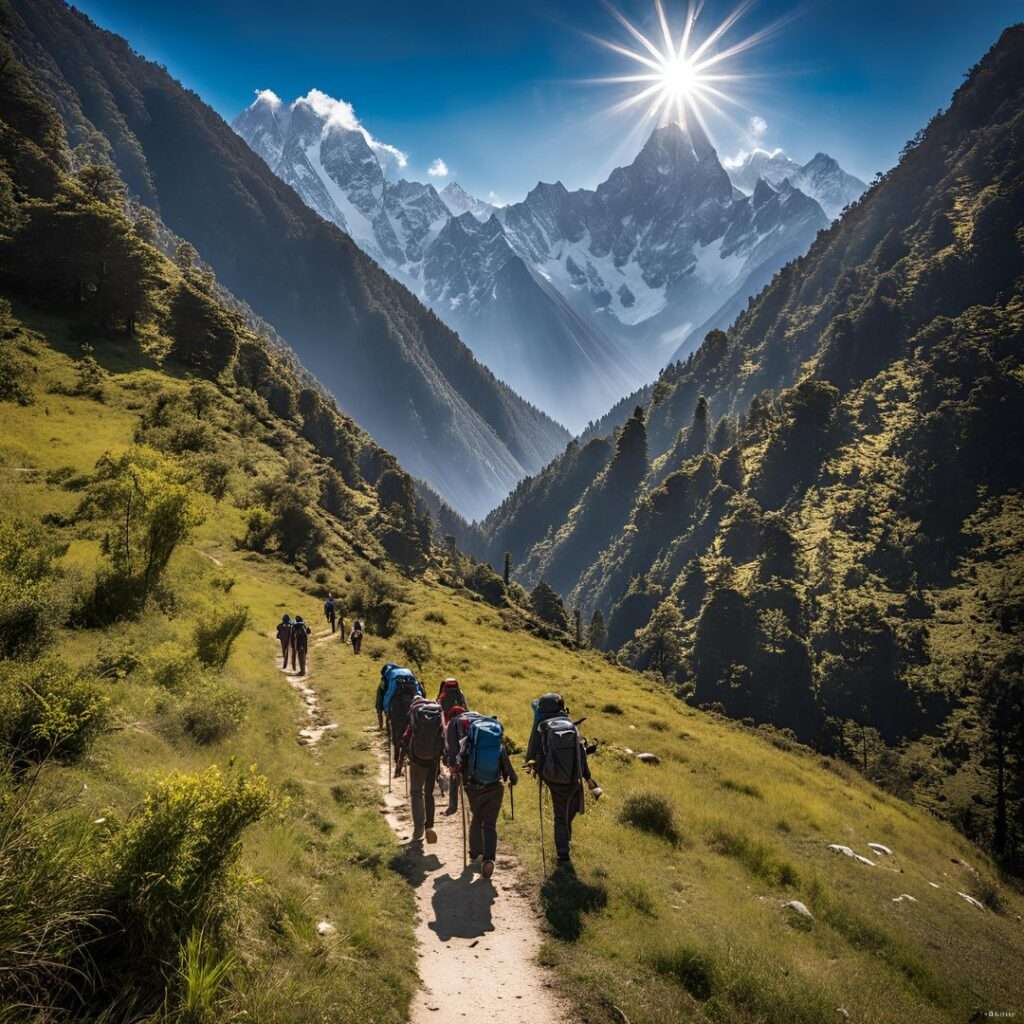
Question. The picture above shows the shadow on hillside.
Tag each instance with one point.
(462, 906)
(566, 898)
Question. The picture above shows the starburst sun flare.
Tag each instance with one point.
(680, 76)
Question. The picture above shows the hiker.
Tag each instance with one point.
(398, 689)
(450, 696)
(300, 644)
(483, 767)
(356, 637)
(456, 727)
(329, 611)
(284, 635)
(557, 755)
(422, 744)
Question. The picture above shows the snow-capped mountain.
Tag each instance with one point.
(459, 201)
(573, 298)
(821, 177)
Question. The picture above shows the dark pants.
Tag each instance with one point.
(422, 779)
(284, 653)
(300, 654)
(357, 642)
(331, 620)
(566, 803)
(453, 794)
(484, 805)
(397, 729)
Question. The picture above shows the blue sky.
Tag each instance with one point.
(496, 90)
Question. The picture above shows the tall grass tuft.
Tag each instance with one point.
(215, 635)
(202, 975)
(650, 812)
(760, 860)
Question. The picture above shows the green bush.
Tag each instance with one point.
(417, 649)
(171, 866)
(215, 635)
(759, 859)
(48, 710)
(694, 970)
(651, 813)
(172, 667)
(211, 710)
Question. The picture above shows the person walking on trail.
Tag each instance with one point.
(356, 637)
(397, 690)
(557, 755)
(456, 727)
(330, 613)
(300, 644)
(422, 745)
(284, 635)
(484, 768)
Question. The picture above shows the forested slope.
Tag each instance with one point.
(390, 362)
(823, 511)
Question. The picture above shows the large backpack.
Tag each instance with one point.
(550, 705)
(455, 733)
(482, 750)
(559, 760)
(449, 695)
(301, 636)
(425, 724)
(401, 690)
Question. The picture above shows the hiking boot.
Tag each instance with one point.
(488, 868)
(431, 835)
(417, 837)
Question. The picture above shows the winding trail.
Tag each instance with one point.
(477, 939)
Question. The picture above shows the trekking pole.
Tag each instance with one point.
(512, 797)
(388, 742)
(462, 804)
(540, 813)
(405, 772)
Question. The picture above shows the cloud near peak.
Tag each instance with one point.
(341, 114)
(438, 169)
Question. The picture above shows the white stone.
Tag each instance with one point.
(903, 897)
(799, 908)
(880, 849)
(970, 899)
(325, 928)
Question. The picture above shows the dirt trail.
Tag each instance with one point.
(316, 721)
(477, 940)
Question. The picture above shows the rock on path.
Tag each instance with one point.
(477, 940)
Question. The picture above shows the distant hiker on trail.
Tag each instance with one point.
(330, 614)
(356, 637)
(557, 755)
(397, 690)
(423, 744)
(300, 644)
(455, 730)
(284, 635)
(484, 767)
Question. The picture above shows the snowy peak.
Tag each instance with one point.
(459, 201)
(821, 177)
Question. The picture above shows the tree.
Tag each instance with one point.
(697, 437)
(577, 621)
(548, 607)
(597, 634)
(101, 181)
(1001, 702)
(205, 339)
(186, 256)
(417, 648)
(774, 629)
(508, 568)
(659, 642)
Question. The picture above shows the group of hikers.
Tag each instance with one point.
(293, 635)
(424, 735)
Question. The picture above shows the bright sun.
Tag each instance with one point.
(679, 77)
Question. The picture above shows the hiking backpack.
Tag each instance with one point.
(301, 635)
(455, 733)
(483, 747)
(401, 691)
(449, 695)
(427, 731)
(559, 761)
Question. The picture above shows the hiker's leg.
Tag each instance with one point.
(453, 794)
(417, 782)
(430, 781)
(489, 820)
(476, 837)
(302, 663)
(560, 809)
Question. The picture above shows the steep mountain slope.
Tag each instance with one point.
(827, 531)
(459, 201)
(821, 178)
(573, 298)
(391, 363)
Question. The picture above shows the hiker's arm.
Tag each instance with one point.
(584, 763)
(507, 771)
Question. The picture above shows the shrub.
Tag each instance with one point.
(215, 635)
(116, 659)
(172, 667)
(650, 812)
(211, 710)
(742, 787)
(47, 710)
(376, 601)
(170, 867)
(437, 617)
(612, 709)
(416, 649)
(755, 856)
(694, 970)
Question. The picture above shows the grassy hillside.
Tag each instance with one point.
(684, 927)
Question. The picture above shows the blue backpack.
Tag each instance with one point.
(402, 686)
(483, 750)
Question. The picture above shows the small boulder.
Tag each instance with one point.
(325, 928)
(880, 849)
(648, 758)
(839, 848)
(904, 897)
(798, 908)
(970, 899)
(864, 860)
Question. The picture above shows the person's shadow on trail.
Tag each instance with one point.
(462, 906)
(413, 865)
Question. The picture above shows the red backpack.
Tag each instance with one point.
(449, 696)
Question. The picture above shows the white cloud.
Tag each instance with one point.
(269, 97)
(438, 169)
(729, 162)
(494, 199)
(757, 127)
(341, 114)
(744, 155)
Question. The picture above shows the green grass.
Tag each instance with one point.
(661, 931)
